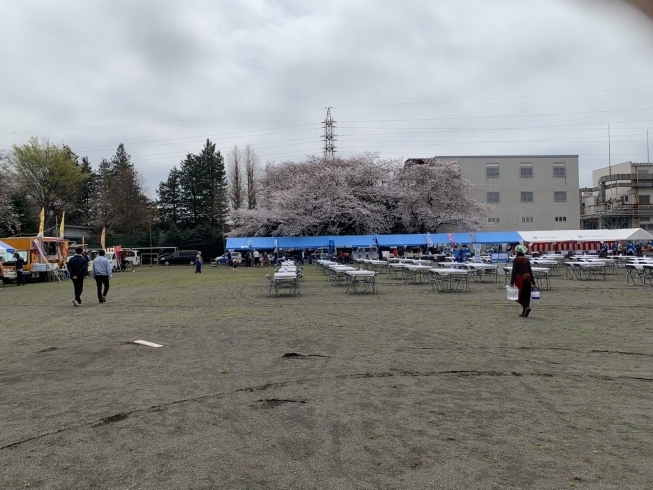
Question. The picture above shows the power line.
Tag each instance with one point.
(499, 116)
(499, 97)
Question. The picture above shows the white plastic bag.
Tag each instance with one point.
(512, 293)
(535, 293)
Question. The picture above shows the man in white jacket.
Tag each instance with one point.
(102, 272)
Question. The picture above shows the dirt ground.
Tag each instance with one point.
(404, 389)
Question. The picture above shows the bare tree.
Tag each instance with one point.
(235, 177)
(252, 163)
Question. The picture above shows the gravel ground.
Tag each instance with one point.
(404, 389)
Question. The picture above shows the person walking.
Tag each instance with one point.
(102, 273)
(522, 277)
(198, 263)
(88, 260)
(76, 270)
(20, 264)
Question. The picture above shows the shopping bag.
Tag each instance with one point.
(512, 293)
(535, 293)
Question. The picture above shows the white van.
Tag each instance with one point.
(132, 256)
(110, 256)
(365, 253)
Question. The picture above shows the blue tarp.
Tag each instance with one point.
(303, 242)
(498, 237)
(259, 243)
(415, 240)
(8, 248)
(346, 241)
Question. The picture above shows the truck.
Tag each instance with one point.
(42, 256)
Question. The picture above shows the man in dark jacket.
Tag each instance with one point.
(20, 264)
(76, 270)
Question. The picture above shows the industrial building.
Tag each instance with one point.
(621, 197)
(527, 192)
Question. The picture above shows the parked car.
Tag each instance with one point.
(179, 257)
(222, 260)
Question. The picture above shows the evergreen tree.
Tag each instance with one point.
(129, 202)
(169, 203)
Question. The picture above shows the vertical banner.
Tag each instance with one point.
(450, 235)
(117, 250)
(102, 236)
(41, 222)
(61, 226)
(429, 240)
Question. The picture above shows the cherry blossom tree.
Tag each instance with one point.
(434, 195)
(362, 194)
(9, 219)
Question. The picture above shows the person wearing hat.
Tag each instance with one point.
(522, 277)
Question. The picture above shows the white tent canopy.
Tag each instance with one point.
(620, 235)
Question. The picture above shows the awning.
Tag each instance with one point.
(415, 240)
(619, 235)
(259, 243)
(498, 237)
(6, 249)
(303, 242)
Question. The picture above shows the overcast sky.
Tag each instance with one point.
(403, 78)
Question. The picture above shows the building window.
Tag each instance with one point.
(526, 197)
(561, 218)
(560, 196)
(526, 170)
(644, 200)
(492, 170)
(493, 220)
(526, 219)
(560, 169)
(645, 218)
(493, 197)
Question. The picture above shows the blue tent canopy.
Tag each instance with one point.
(8, 248)
(303, 242)
(415, 240)
(405, 240)
(347, 241)
(498, 237)
(259, 243)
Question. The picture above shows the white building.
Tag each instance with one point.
(527, 192)
(621, 197)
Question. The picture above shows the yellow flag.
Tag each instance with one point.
(102, 237)
(63, 215)
(82, 241)
(41, 221)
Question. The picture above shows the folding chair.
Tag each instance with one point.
(648, 274)
(634, 276)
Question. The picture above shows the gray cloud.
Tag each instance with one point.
(121, 63)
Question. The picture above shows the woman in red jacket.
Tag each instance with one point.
(522, 277)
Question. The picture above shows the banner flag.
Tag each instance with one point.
(429, 240)
(450, 235)
(102, 237)
(61, 226)
(41, 222)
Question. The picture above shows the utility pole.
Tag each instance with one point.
(648, 156)
(329, 137)
(609, 152)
